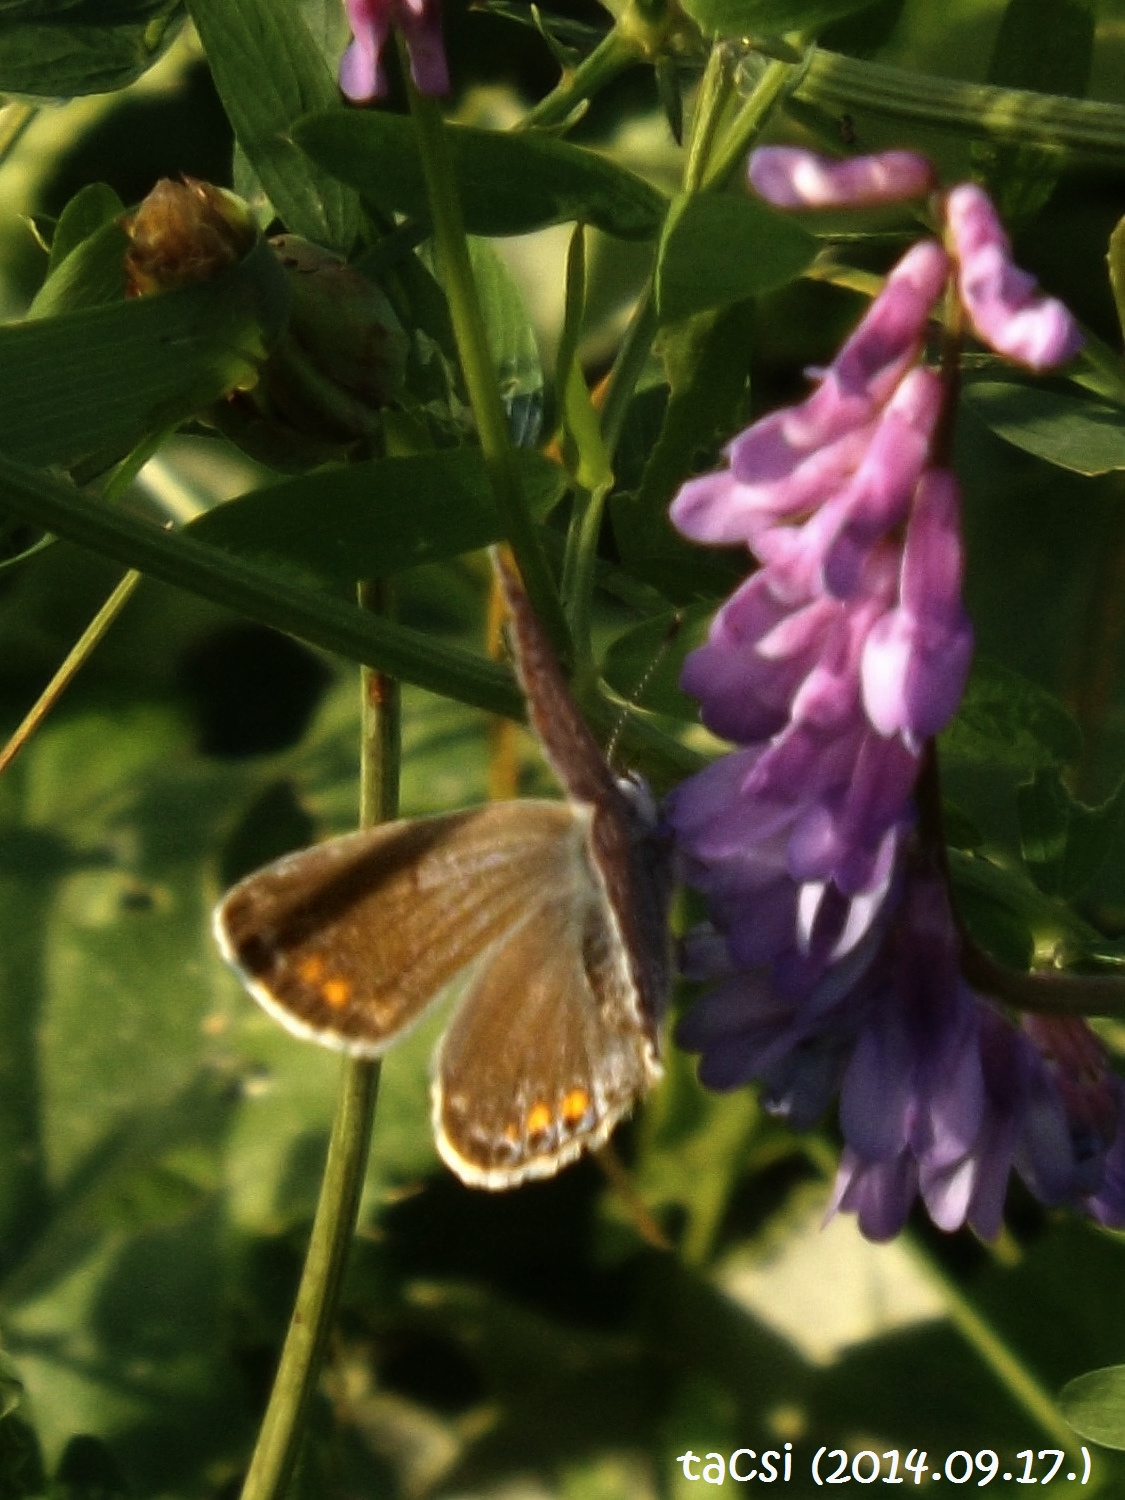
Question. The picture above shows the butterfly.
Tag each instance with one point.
(559, 906)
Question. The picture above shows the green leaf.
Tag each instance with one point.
(255, 592)
(721, 248)
(509, 183)
(269, 72)
(707, 360)
(738, 18)
(1065, 843)
(1005, 720)
(369, 520)
(85, 47)
(97, 381)
(92, 274)
(91, 207)
(1094, 1405)
(1073, 431)
(1045, 45)
(1117, 270)
(644, 664)
(511, 338)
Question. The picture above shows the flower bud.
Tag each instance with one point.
(1004, 303)
(340, 361)
(185, 232)
(789, 177)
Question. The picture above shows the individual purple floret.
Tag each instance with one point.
(1004, 304)
(789, 177)
(362, 75)
(834, 955)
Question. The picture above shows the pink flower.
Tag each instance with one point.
(788, 177)
(1004, 303)
(362, 75)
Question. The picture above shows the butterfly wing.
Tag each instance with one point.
(549, 1047)
(348, 942)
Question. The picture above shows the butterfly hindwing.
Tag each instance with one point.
(547, 1049)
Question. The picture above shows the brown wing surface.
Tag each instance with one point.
(547, 1049)
(349, 941)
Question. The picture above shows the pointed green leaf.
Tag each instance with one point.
(721, 248)
(84, 47)
(509, 183)
(1094, 1405)
(1073, 430)
(98, 380)
(91, 207)
(372, 519)
(269, 72)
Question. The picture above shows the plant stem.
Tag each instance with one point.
(302, 1354)
(613, 54)
(777, 79)
(476, 363)
(1009, 1369)
(1018, 115)
(282, 1430)
(72, 664)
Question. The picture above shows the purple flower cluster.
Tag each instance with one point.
(362, 75)
(833, 944)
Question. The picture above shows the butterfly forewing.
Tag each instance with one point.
(349, 941)
(547, 1050)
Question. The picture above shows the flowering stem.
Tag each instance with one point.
(476, 363)
(613, 54)
(302, 1355)
(777, 79)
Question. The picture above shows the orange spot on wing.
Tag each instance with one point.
(538, 1119)
(336, 992)
(576, 1105)
(311, 969)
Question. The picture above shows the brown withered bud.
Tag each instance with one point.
(185, 232)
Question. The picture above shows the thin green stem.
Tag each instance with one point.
(627, 369)
(993, 1351)
(776, 81)
(613, 54)
(302, 1354)
(72, 664)
(715, 90)
(476, 363)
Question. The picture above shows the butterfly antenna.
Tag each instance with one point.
(675, 625)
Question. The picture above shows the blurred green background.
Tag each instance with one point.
(161, 1140)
